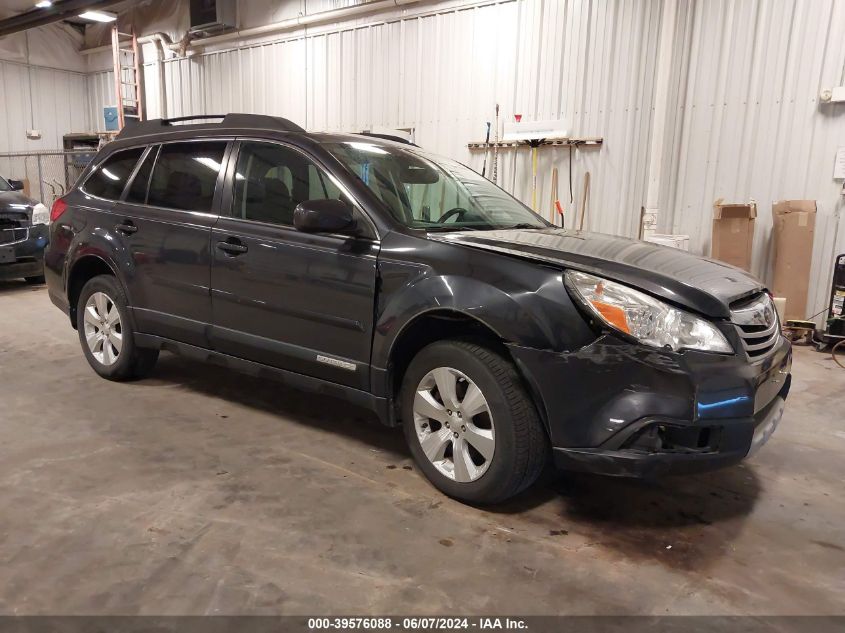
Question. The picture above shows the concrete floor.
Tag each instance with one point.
(202, 491)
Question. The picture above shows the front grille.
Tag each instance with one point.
(13, 220)
(13, 227)
(10, 236)
(757, 323)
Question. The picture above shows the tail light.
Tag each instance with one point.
(59, 207)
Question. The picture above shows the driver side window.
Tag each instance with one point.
(271, 180)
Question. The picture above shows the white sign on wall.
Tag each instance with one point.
(839, 166)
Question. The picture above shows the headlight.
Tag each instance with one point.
(643, 317)
(40, 214)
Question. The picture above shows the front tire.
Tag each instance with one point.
(105, 332)
(471, 425)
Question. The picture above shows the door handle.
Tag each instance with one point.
(232, 248)
(126, 227)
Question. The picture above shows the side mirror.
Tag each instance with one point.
(16, 185)
(324, 216)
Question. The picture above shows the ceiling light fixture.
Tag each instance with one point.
(99, 16)
(44, 4)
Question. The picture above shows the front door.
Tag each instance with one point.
(297, 301)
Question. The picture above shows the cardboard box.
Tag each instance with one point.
(793, 230)
(733, 233)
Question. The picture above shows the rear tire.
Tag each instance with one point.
(483, 442)
(106, 334)
(35, 281)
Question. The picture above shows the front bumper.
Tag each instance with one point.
(737, 439)
(618, 408)
(24, 257)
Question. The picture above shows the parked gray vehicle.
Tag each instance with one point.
(24, 233)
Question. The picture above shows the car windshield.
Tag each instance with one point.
(430, 192)
(4, 186)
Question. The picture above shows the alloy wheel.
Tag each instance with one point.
(103, 329)
(454, 425)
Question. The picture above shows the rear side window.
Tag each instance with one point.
(107, 180)
(185, 175)
(138, 189)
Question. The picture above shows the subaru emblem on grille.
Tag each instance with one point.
(764, 316)
(757, 324)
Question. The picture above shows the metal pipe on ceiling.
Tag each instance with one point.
(56, 13)
(304, 20)
(276, 27)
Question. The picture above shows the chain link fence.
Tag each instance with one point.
(46, 175)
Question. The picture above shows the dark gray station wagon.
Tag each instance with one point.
(371, 270)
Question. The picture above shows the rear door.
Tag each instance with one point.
(164, 221)
(297, 301)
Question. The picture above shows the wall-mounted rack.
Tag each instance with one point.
(571, 142)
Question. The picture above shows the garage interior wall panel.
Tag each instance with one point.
(748, 125)
(57, 105)
(744, 119)
(100, 89)
(442, 69)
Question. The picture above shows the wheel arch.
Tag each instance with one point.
(437, 324)
(432, 325)
(83, 269)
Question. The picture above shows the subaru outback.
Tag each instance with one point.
(371, 270)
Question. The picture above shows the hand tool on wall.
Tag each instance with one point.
(487, 142)
(585, 196)
(554, 200)
(496, 149)
(534, 144)
(517, 118)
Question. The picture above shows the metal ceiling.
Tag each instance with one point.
(61, 10)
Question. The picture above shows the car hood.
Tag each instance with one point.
(15, 206)
(9, 198)
(698, 283)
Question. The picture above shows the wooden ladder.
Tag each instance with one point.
(127, 76)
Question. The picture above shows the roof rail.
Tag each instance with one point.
(231, 120)
(387, 137)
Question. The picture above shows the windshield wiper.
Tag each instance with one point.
(523, 225)
(444, 228)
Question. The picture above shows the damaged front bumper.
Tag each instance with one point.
(618, 408)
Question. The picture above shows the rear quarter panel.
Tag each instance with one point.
(83, 230)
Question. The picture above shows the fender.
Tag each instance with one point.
(524, 305)
(471, 297)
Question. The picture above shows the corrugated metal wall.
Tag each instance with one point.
(58, 105)
(744, 121)
(747, 122)
(441, 70)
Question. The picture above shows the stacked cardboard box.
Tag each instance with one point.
(733, 233)
(793, 229)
